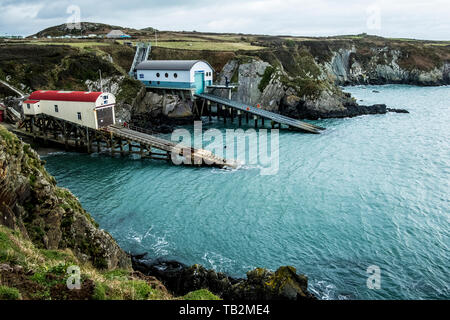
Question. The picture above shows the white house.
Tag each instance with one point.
(117, 34)
(193, 75)
(91, 109)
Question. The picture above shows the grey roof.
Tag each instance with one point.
(168, 64)
(116, 33)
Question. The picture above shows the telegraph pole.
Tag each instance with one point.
(101, 82)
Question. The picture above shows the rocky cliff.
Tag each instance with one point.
(44, 231)
(388, 65)
(305, 93)
(260, 284)
(299, 77)
(49, 216)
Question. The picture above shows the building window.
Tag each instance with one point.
(79, 115)
(175, 75)
(157, 75)
(141, 76)
(28, 105)
(56, 108)
(167, 75)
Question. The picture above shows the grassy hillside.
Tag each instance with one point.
(59, 65)
(44, 231)
(86, 29)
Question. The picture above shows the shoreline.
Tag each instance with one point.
(260, 284)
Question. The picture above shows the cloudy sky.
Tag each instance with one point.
(419, 19)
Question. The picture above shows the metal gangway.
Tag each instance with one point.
(258, 112)
(143, 50)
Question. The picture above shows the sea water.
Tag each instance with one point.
(369, 191)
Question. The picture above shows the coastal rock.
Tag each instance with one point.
(250, 75)
(261, 284)
(108, 84)
(49, 216)
(297, 97)
(386, 65)
(154, 111)
(247, 72)
(304, 110)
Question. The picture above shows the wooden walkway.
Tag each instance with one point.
(198, 156)
(117, 140)
(263, 114)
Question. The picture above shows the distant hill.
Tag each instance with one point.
(88, 28)
(149, 29)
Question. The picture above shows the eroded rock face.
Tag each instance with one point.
(250, 75)
(154, 111)
(171, 105)
(380, 66)
(49, 216)
(305, 97)
(261, 284)
(276, 93)
(109, 84)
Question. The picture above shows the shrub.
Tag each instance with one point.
(99, 292)
(201, 294)
(266, 78)
(290, 43)
(7, 293)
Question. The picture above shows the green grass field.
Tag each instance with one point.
(207, 45)
(74, 44)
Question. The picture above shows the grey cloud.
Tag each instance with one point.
(402, 18)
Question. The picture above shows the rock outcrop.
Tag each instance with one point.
(261, 284)
(50, 216)
(306, 95)
(387, 65)
(157, 112)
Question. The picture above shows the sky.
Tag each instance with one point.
(389, 18)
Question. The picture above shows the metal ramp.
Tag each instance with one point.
(275, 117)
(13, 114)
(142, 52)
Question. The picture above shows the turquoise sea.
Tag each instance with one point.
(370, 190)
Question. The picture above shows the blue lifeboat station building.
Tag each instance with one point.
(192, 75)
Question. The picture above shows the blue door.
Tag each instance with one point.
(199, 82)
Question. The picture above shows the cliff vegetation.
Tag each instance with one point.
(44, 231)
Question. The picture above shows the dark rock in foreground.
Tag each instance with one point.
(49, 216)
(261, 284)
